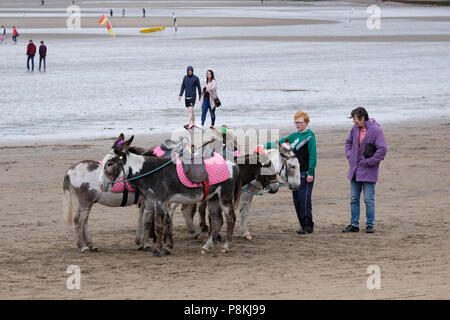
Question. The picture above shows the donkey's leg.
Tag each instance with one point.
(215, 222)
(80, 221)
(159, 230)
(202, 212)
(188, 214)
(169, 230)
(87, 236)
(79, 230)
(147, 226)
(228, 210)
(140, 227)
(246, 202)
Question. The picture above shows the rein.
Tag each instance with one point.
(159, 168)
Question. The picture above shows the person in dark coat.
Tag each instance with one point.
(365, 148)
(188, 86)
(42, 55)
(31, 52)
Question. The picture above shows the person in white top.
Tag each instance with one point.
(208, 96)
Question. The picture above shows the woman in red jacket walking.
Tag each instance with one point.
(31, 52)
(15, 35)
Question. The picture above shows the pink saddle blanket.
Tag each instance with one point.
(119, 186)
(216, 167)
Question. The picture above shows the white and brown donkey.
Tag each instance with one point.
(159, 184)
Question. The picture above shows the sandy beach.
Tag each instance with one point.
(269, 62)
(410, 243)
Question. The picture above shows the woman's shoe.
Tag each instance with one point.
(186, 126)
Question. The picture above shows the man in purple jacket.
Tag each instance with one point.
(42, 54)
(365, 147)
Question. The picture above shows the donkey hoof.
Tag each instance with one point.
(95, 249)
(166, 252)
(156, 254)
(224, 250)
(248, 237)
(219, 239)
(84, 249)
(140, 248)
(147, 249)
(205, 229)
(204, 251)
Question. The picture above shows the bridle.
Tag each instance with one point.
(122, 156)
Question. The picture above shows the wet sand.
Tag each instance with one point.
(410, 244)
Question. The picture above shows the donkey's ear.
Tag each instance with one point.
(127, 144)
(119, 141)
(286, 145)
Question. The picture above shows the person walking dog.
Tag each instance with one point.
(365, 148)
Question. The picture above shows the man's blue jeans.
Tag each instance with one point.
(369, 199)
(32, 62)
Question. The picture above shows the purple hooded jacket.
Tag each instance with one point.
(366, 169)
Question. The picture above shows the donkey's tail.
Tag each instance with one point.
(68, 200)
(237, 194)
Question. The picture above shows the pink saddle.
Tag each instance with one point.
(216, 167)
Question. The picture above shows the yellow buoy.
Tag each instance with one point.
(153, 29)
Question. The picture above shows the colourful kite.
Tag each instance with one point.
(103, 20)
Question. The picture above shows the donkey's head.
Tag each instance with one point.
(290, 168)
(266, 175)
(115, 164)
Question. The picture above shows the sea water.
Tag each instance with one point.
(99, 87)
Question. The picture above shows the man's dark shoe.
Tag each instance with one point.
(369, 229)
(351, 228)
(304, 231)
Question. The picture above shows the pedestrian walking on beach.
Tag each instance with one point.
(4, 37)
(42, 54)
(174, 21)
(143, 12)
(365, 148)
(15, 34)
(110, 12)
(207, 98)
(189, 85)
(123, 12)
(303, 142)
(31, 52)
(42, 2)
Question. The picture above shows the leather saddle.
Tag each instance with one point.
(169, 145)
(194, 166)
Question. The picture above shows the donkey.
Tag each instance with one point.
(158, 182)
(81, 192)
(250, 169)
(286, 166)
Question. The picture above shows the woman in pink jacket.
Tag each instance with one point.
(207, 99)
